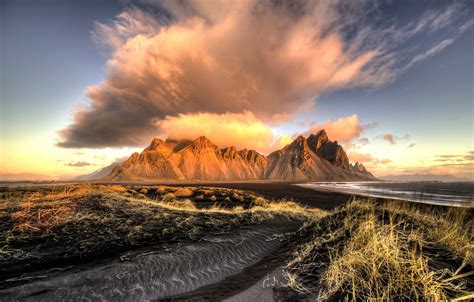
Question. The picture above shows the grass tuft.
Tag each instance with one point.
(387, 251)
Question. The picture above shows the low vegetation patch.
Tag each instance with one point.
(387, 251)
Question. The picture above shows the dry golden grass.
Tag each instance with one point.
(181, 205)
(387, 252)
(259, 207)
(37, 211)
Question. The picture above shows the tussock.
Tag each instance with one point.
(183, 192)
(388, 251)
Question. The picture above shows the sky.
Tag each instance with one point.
(85, 83)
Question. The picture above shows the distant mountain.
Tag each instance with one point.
(315, 158)
(98, 174)
(24, 177)
(425, 177)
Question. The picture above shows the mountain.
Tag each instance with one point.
(25, 177)
(425, 177)
(330, 151)
(98, 174)
(358, 167)
(314, 158)
(191, 160)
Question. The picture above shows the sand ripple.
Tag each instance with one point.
(159, 275)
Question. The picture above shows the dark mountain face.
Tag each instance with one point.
(315, 158)
(330, 151)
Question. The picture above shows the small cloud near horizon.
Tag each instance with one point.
(364, 141)
(78, 164)
(392, 139)
(389, 138)
(366, 158)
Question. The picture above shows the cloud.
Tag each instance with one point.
(392, 139)
(449, 156)
(343, 129)
(389, 138)
(455, 158)
(360, 157)
(242, 130)
(78, 164)
(437, 48)
(371, 163)
(364, 141)
(272, 59)
(464, 169)
(456, 164)
(367, 158)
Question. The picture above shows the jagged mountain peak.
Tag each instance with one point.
(204, 142)
(316, 141)
(299, 141)
(229, 152)
(155, 144)
(312, 158)
(358, 167)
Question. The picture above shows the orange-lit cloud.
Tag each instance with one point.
(229, 129)
(215, 57)
(343, 129)
(270, 58)
(392, 139)
(459, 169)
(389, 138)
(373, 164)
(366, 158)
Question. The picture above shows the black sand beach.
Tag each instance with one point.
(165, 248)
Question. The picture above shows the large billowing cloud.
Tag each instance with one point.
(269, 58)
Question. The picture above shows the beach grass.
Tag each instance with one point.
(387, 251)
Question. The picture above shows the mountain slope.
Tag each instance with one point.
(196, 160)
(311, 159)
(101, 173)
(315, 158)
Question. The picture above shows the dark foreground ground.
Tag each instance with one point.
(223, 241)
(276, 190)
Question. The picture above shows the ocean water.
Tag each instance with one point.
(459, 194)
